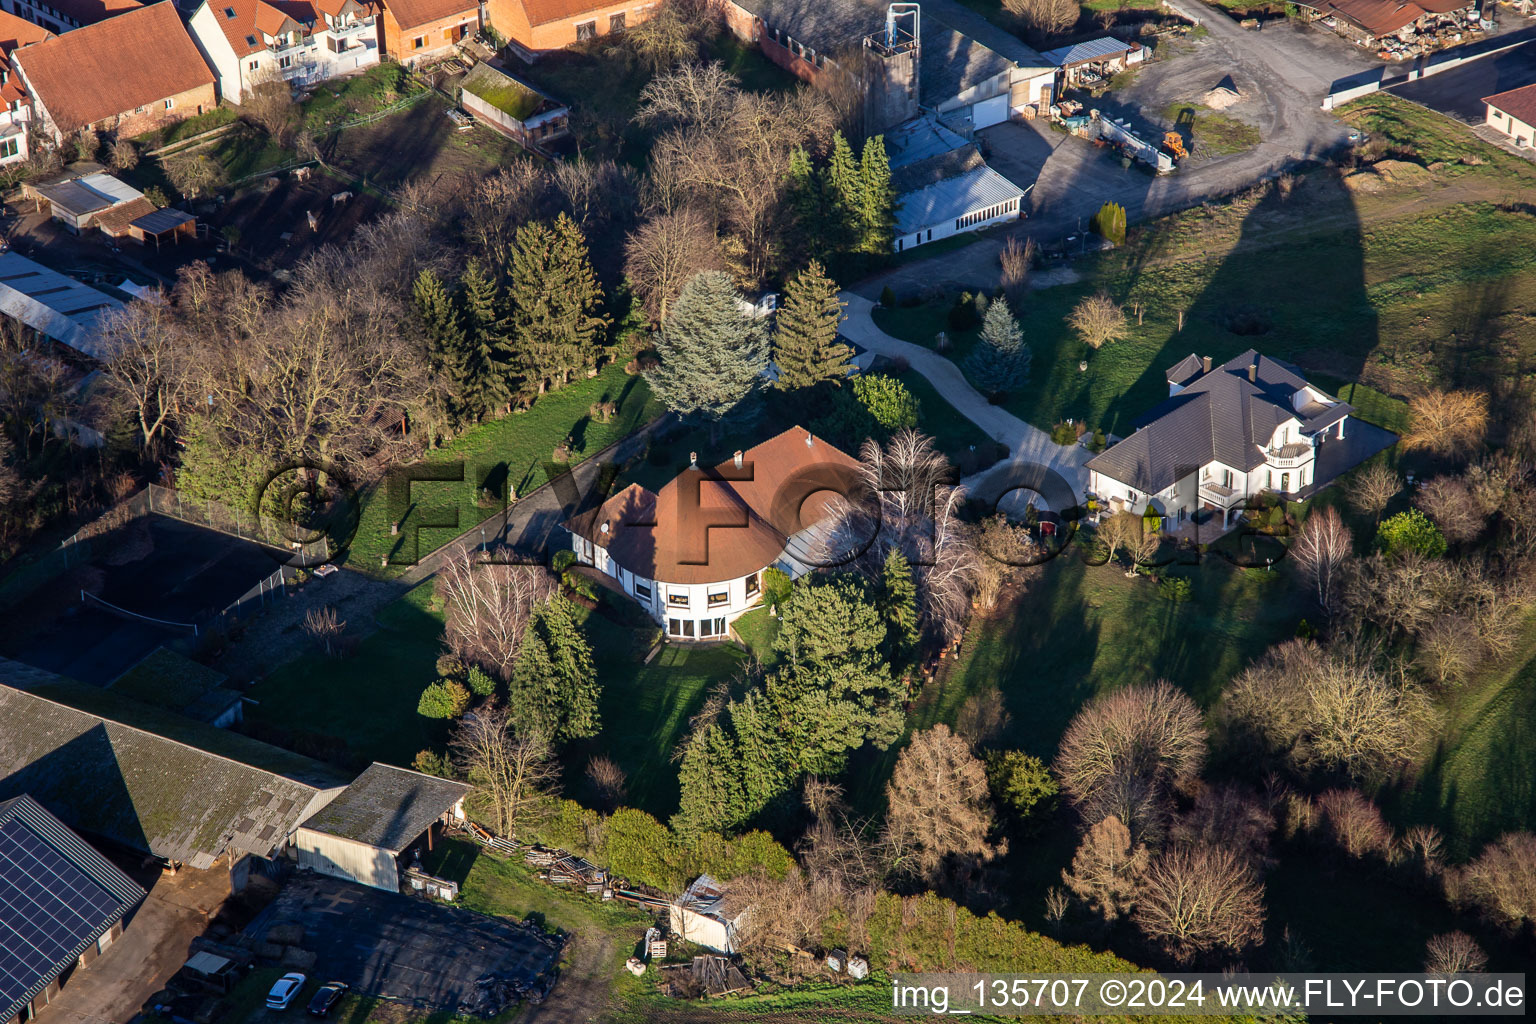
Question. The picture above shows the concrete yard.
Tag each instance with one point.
(403, 948)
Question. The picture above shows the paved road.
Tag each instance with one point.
(1028, 446)
(1291, 67)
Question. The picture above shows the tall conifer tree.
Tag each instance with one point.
(557, 321)
(713, 351)
(805, 345)
(877, 199)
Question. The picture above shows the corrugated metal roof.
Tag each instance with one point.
(919, 139)
(387, 807)
(954, 197)
(74, 198)
(52, 304)
(116, 190)
(1093, 49)
(162, 221)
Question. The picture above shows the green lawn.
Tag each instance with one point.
(758, 630)
(1210, 132)
(368, 699)
(646, 708)
(338, 101)
(512, 451)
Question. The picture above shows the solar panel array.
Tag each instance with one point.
(48, 907)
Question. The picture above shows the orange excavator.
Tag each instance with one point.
(1173, 142)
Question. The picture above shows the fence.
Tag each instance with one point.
(273, 588)
(235, 522)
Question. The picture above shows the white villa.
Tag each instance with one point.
(693, 553)
(1223, 435)
(245, 41)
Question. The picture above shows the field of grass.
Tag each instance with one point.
(511, 451)
(646, 708)
(758, 630)
(1210, 132)
(337, 101)
(369, 698)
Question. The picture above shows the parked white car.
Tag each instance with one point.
(284, 991)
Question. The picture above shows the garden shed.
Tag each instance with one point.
(513, 107)
(365, 833)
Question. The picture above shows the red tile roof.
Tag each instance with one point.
(543, 12)
(16, 32)
(133, 60)
(89, 12)
(411, 14)
(1519, 104)
(665, 536)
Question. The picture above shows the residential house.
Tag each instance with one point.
(17, 113)
(152, 780)
(1513, 114)
(1222, 436)
(1088, 62)
(59, 16)
(710, 915)
(414, 30)
(366, 834)
(693, 553)
(301, 41)
(63, 905)
(536, 26)
(946, 194)
(952, 63)
(134, 73)
(513, 107)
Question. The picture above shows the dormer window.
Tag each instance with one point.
(250, 41)
(229, 12)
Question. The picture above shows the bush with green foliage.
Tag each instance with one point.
(450, 667)
(1410, 531)
(1099, 440)
(562, 560)
(887, 297)
(1109, 223)
(1064, 433)
(887, 401)
(444, 699)
(962, 315)
(1175, 588)
(1021, 784)
(430, 762)
(776, 586)
(480, 682)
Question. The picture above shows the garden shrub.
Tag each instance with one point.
(562, 560)
(962, 315)
(1064, 433)
(430, 762)
(446, 698)
(1410, 531)
(776, 586)
(449, 666)
(887, 401)
(1176, 588)
(480, 682)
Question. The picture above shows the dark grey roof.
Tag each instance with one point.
(921, 138)
(936, 169)
(387, 807)
(161, 221)
(1185, 370)
(960, 49)
(59, 896)
(1219, 417)
(74, 198)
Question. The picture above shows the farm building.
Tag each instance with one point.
(163, 227)
(1513, 114)
(1088, 62)
(58, 16)
(53, 305)
(708, 914)
(417, 30)
(15, 104)
(513, 107)
(537, 26)
(177, 683)
(1394, 22)
(693, 553)
(63, 905)
(949, 194)
(90, 201)
(365, 833)
(185, 792)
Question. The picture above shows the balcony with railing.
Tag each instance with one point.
(1288, 456)
(1217, 493)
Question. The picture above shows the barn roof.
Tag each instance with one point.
(150, 779)
(53, 304)
(387, 807)
(974, 189)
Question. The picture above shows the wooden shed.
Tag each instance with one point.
(513, 107)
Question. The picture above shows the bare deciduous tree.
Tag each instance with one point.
(1321, 551)
(488, 606)
(1448, 500)
(194, 175)
(1450, 649)
(1052, 17)
(1454, 953)
(608, 780)
(1125, 751)
(1098, 320)
(939, 806)
(124, 155)
(1328, 711)
(907, 501)
(1355, 824)
(1005, 550)
(1447, 423)
(983, 718)
(1372, 488)
(1017, 260)
(662, 254)
(147, 359)
(1107, 868)
(325, 627)
(1199, 902)
(1501, 883)
(268, 104)
(1228, 815)
(514, 770)
(1129, 533)
(1423, 847)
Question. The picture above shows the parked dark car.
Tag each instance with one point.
(322, 1001)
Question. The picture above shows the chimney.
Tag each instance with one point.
(737, 458)
(693, 460)
(1253, 373)
(1205, 364)
(810, 442)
